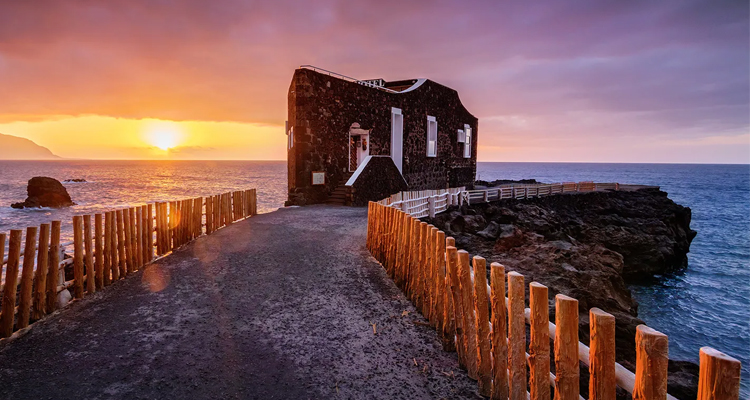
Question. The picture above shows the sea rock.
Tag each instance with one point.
(587, 246)
(75, 180)
(45, 192)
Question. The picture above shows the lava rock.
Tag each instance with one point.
(45, 192)
(75, 180)
(588, 246)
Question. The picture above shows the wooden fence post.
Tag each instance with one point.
(209, 215)
(40, 276)
(499, 338)
(138, 237)
(198, 212)
(8, 314)
(129, 251)
(469, 323)
(539, 359)
(107, 268)
(440, 284)
(89, 255)
(54, 265)
(122, 270)
(458, 309)
(27, 278)
(421, 266)
(602, 380)
(150, 231)
(651, 359)
(566, 348)
(481, 307)
(98, 252)
(719, 376)
(144, 236)
(516, 336)
(78, 256)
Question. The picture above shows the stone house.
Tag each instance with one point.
(352, 141)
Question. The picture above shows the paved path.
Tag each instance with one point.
(280, 306)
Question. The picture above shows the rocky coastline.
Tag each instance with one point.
(589, 246)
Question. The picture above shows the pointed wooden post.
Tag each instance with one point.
(481, 308)
(53, 267)
(78, 257)
(121, 251)
(127, 225)
(469, 323)
(150, 231)
(458, 313)
(27, 278)
(516, 336)
(651, 360)
(602, 380)
(107, 267)
(8, 314)
(98, 252)
(719, 376)
(567, 375)
(89, 257)
(539, 356)
(499, 334)
(40, 275)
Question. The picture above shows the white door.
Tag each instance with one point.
(397, 137)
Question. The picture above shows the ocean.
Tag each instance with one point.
(706, 305)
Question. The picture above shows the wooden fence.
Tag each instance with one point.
(454, 296)
(106, 248)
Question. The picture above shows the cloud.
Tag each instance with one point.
(640, 68)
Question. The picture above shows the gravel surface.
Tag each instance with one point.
(285, 305)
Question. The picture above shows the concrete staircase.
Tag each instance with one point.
(339, 195)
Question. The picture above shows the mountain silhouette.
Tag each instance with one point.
(17, 148)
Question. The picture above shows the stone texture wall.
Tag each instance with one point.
(378, 180)
(322, 108)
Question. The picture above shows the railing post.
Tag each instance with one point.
(499, 338)
(27, 278)
(107, 248)
(54, 265)
(7, 316)
(40, 277)
(98, 252)
(539, 360)
(602, 379)
(481, 308)
(469, 324)
(516, 336)
(89, 255)
(719, 376)
(651, 359)
(485, 196)
(78, 256)
(455, 292)
(431, 206)
(566, 348)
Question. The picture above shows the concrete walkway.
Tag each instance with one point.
(281, 306)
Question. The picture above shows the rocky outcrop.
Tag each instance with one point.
(45, 192)
(587, 246)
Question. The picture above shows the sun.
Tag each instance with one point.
(164, 135)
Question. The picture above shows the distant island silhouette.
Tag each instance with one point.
(17, 148)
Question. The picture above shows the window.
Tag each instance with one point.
(467, 143)
(431, 136)
(397, 137)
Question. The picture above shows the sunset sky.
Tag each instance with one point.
(599, 81)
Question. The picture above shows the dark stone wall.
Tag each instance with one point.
(322, 108)
(378, 180)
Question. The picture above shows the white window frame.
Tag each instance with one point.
(432, 136)
(467, 143)
(291, 137)
(398, 159)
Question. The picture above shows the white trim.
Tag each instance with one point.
(467, 144)
(416, 85)
(431, 144)
(397, 139)
(395, 110)
(359, 170)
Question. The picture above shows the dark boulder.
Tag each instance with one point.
(75, 180)
(45, 192)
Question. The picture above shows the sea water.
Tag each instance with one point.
(706, 305)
